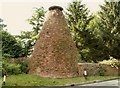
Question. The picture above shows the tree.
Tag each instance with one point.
(109, 25)
(2, 26)
(79, 19)
(97, 50)
(28, 38)
(10, 47)
(37, 19)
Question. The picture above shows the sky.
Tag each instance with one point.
(16, 12)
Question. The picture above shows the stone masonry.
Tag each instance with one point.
(55, 54)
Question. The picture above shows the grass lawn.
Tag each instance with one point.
(32, 80)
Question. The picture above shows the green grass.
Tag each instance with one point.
(32, 80)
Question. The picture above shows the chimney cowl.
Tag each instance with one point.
(55, 7)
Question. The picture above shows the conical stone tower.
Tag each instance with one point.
(55, 54)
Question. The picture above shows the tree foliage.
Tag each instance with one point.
(28, 38)
(97, 37)
(10, 46)
(27, 41)
(79, 20)
(37, 19)
(2, 25)
(109, 25)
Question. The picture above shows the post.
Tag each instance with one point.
(4, 78)
(85, 73)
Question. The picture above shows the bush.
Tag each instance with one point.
(11, 68)
(101, 70)
(112, 62)
(24, 67)
(6, 56)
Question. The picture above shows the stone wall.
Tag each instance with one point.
(97, 69)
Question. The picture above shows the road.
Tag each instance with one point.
(105, 83)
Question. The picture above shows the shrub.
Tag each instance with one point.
(101, 71)
(112, 62)
(11, 68)
(16, 69)
(24, 67)
(6, 55)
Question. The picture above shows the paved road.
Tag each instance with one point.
(105, 83)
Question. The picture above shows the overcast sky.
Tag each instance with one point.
(16, 12)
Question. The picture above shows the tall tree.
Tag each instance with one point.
(97, 50)
(37, 19)
(109, 25)
(28, 38)
(10, 46)
(2, 26)
(79, 19)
